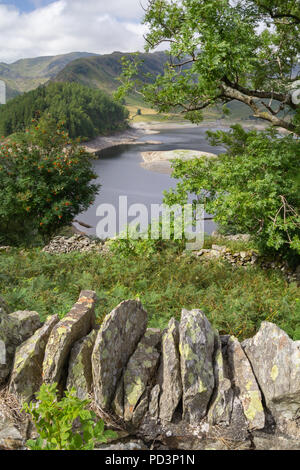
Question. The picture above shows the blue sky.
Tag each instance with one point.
(32, 28)
(27, 5)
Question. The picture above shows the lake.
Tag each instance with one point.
(120, 173)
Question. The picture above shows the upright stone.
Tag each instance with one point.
(116, 341)
(138, 374)
(222, 400)
(197, 342)
(26, 377)
(275, 359)
(154, 402)
(245, 385)
(15, 328)
(169, 373)
(75, 325)
(80, 374)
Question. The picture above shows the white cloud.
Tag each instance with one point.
(98, 26)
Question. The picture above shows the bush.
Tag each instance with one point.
(253, 188)
(55, 422)
(45, 181)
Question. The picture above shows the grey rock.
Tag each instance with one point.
(137, 376)
(75, 325)
(15, 328)
(140, 410)
(170, 374)
(269, 442)
(26, 377)
(154, 402)
(220, 409)
(245, 385)
(275, 359)
(11, 438)
(116, 341)
(197, 342)
(80, 374)
(77, 242)
(134, 444)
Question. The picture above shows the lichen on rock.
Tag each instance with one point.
(275, 359)
(26, 377)
(116, 341)
(15, 328)
(197, 344)
(75, 325)
(169, 373)
(137, 377)
(245, 385)
(80, 374)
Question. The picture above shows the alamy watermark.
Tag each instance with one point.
(2, 92)
(166, 222)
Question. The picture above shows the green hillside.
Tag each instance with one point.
(95, 71)
(86, 112)
(102, 71)
(27, 74)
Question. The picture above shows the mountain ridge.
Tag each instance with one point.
(27, 74)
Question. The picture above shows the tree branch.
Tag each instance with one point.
(249, 100)
(282, 97)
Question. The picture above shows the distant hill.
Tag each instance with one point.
(28, 74)
(95, 71)
(102, 71)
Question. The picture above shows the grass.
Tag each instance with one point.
(236, 300)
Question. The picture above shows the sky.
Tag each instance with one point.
(32, 28)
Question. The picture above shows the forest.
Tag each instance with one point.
(85, 112)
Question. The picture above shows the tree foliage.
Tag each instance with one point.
(86, 112)
(45, 180)
(253, 188)
(246, 50)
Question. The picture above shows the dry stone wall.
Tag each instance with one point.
(184, 387)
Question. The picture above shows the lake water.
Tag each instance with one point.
(121, 174)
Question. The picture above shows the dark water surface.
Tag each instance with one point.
(121, 174)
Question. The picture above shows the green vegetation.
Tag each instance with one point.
(55, 421)
(27, 74)
(45, 180)
(102, 72)
(236, 300)
(86, 113)
(220, 52)
(254, 188)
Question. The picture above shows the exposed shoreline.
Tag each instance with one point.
(161, 161)
(136, 131)
(130, 136)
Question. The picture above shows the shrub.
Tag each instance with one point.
(55, 422)
(45, 180)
